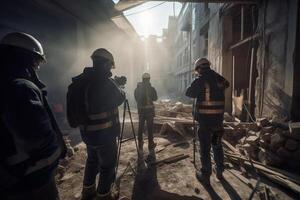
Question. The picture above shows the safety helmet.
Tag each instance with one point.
(103, 53)
(24, 41)
(146, 76)
(202, 63)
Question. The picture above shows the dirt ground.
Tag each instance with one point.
(169, 181)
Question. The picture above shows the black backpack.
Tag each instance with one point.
(77, 108)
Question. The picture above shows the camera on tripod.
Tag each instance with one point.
(120, 80)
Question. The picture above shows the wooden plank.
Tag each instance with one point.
(283, 182)
(248, 39)
(259, 166)
(242, 178)
(232, 148)
(170, 160)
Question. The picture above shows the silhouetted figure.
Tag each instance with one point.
(31, 142)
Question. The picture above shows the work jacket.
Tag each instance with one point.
(209, 89)
(103, 96)
(144, 95)
(30, 140)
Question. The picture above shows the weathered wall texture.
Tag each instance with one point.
(272, 97)
(215, 38)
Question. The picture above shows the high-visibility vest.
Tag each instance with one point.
(211, 102)
(101, 121)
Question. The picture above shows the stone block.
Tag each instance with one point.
(284, 153)
(264, 144)
(292, 145)
(273, 159)
(254, 127)
(268, 129)
(296, 156)
(249, 148)
(294, 129)
(262, 122)
(266, 137)
(252, 140)
(277, 140)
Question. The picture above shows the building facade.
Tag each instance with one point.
(251, 45)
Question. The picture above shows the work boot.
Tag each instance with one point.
(108, 196)
(219, 174)
(88, 192)
(203, 178)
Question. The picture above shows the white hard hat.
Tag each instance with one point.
(24, 41)
(146, 76)
(202, 63)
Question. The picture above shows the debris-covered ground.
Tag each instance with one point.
(171, 174)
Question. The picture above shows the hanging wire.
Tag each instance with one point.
(141, 11)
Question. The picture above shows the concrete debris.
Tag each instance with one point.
(267, 142)
(168, 109)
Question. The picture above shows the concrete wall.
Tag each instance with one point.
(273, 88)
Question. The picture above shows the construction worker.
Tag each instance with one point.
(30, 140)
(209, 89)
(102, 127)
(144, 95)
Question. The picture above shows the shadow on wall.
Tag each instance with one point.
(276, 102)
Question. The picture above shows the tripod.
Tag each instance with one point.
(120, 139)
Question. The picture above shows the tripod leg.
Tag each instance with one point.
(121, 138)
(132, 126)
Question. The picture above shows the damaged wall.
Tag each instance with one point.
(273, 88)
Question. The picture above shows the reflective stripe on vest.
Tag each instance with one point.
(211, 111)
(212, 103)
(103, 115)
(208, 106)
(99, 127)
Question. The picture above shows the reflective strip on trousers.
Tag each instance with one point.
(99, 127)
(212, 103)
(143, 107)
(44, 162)
(210, 111)
(103, 115)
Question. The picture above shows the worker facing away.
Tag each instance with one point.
(92, 104)
(208, 89)
(144, 95)
(31, 142)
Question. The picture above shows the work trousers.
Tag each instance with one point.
(46, 192)
(101, 159)
(142, 119)
(211, 136)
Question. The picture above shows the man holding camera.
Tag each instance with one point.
(101, 96)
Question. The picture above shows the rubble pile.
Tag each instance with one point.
(173, 118)
(63, 163)
(168, 109)
(267, 142)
